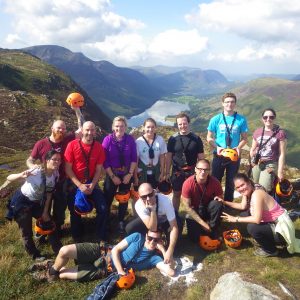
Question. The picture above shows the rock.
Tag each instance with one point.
(230, 286)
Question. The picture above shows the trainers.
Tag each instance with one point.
(262, 253)
(40, 266)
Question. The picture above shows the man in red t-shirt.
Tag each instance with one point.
(83, 161)
(58, 140)
(199, 193)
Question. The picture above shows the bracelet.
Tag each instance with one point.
(237, 219)
(130, 173)
(112, 176)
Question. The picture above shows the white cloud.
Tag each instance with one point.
(122, 47)
(133, 47)
(252, 53)
(177, 42)
(66, 22)
(263, 21)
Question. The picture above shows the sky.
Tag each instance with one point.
(231, 36)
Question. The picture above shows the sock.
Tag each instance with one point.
(52, 271)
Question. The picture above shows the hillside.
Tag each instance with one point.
(32, 95)
(187, 81)
(253, 97)
(115, 90)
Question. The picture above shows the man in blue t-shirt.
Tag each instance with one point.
(94, 261)
(227, 130)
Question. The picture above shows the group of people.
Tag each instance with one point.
(71, 166)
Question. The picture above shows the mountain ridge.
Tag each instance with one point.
(32, 95)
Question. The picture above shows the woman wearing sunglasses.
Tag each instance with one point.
(268, 151)
(151, 150)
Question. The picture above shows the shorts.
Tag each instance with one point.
(91, 264)
(177, 179)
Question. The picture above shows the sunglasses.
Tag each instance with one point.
(150, 239)
(145, 197)
(268, 117)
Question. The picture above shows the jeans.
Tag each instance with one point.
(219, 166)
(99, 202)
(28, 210)
(211, 215)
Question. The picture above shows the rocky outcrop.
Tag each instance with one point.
(232, 287)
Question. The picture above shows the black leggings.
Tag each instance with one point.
(109, 191)
(263, 235)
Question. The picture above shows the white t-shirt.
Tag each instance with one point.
(165, 209)
(159, 147)
(33, 188)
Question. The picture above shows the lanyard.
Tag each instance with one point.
(184, 150)
(55, 146)
(150, 151)
(228, 137)
(262, 145)
(199, 191)
(87, 160)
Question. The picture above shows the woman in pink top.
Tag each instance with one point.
(263, 214)
(268, 151)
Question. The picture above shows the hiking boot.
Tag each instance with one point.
(40, 266)
(262, 253)
(40, 276)
(52, 274)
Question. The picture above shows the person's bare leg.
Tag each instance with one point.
(64, 255)
(68, 273)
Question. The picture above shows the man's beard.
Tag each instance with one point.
(58, 136)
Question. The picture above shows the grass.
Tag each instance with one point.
(17, 283)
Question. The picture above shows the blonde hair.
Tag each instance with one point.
(119, 119)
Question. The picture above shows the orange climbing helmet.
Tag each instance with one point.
(165, 187)
(44, 228)
(208, 244)
(75, 99)
(231, 154)
(126, 281)
(284, 188)
(232, 238)
(122, 196)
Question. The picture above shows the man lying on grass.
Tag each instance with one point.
(93, 261)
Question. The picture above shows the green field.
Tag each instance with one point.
(17, 283)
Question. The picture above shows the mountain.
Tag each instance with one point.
(117, 91)
(253, 97)
(187, 81)
(32, 95)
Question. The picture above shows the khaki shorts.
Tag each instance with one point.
(91, 264)
(263, 177)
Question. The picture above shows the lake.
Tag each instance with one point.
(158, 111)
